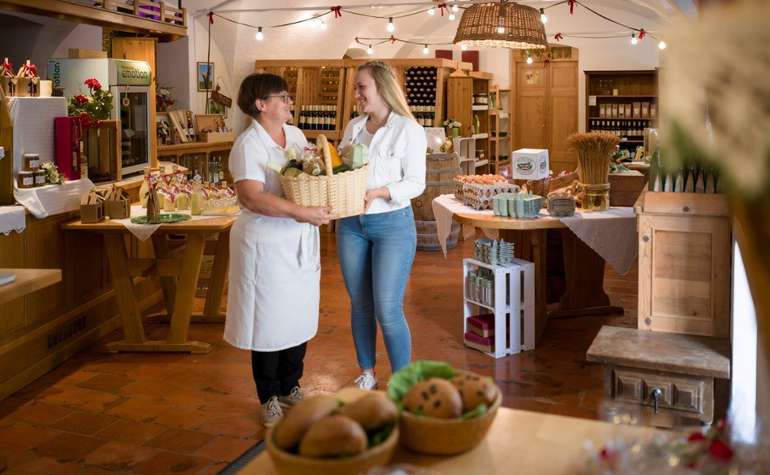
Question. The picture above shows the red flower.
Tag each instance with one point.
(721, 451)
(81, 99)
(696, 437)
(93, 83)
(605, 453)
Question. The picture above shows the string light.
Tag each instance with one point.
(529, 59)
(391, 27)
(634, 40)
(463, 46)
(432, 11)
(451, 17)
(500, 25)
(425, 50)
(662, 45)
(259, 36)
(370, 50)
(455, 8)
(543, 16)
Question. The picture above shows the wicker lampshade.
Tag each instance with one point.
(521, 26)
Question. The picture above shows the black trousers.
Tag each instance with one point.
(277, 372)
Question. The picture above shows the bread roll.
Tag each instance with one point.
(435, 397)
(290, 430)
(372, 411)
(333, 436)
(474, 390)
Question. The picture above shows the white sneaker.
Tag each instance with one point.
(271, 412)
(294, 396)
(366, 381)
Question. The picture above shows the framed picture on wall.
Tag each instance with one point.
(205, 76)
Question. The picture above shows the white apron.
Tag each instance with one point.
(275, 265)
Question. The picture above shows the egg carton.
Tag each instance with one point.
(493, 252)
(517, 205)
(480, 196)
(561, 206)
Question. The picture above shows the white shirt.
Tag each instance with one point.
(396, 159)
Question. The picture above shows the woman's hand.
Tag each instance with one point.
(315, 215)
(375, 193)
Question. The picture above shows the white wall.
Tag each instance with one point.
(174, 70)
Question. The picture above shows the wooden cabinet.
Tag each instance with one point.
(622, 102)
(684, 263)
(142, 49)
(468, 103)
(499, 127)
(544, 103)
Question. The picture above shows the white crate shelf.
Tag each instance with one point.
(514, 305)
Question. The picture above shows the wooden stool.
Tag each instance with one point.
(670, 373)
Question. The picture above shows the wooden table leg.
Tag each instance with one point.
(217, 284)
(133, 330)
(167, 283)
(188, 278)
(531, 246)
(584, 270)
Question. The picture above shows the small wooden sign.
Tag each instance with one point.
(220, 98)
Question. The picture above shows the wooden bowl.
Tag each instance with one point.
(430, 435)
(292, 464)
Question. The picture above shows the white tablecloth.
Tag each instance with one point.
(33, 126)
(12, 218)
(144, 231)
(49, 200)
(611, 234)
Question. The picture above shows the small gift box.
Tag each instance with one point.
(92, 208)
(116, 204)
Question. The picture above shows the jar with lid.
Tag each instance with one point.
(30, 162)
(40, 177)
(26, 179)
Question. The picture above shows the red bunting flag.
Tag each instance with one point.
(337, 11)
(211, 17)
(642, 33)
(571, 6)
(558, 37)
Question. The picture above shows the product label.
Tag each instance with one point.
(133, 73)
(525, 166)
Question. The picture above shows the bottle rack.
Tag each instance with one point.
(510, 297)
(420, 90)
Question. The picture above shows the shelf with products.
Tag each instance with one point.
(468, 103)
(317, 90)
(622, 102)
(500, 144)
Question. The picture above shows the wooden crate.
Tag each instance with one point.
(684, 263)
(625, 188)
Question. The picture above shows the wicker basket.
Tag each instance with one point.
(343, 192)
(429, 435)
(291, 464)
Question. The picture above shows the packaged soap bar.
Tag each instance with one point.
(355, 156)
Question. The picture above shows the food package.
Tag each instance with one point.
(355, 156)
(529, 164)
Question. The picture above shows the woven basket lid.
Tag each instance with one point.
(522, 29)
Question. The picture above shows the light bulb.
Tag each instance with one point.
(500, 30)
(529, 60)
(463, 46)
(634, 40)
(432, 11)
(391, 27)
(425, 50)
(259, 34)
(451, 17)
(455, 8)
(662, 45)
(370, 50)
(543, 16)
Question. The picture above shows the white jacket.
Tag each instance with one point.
(396, 159)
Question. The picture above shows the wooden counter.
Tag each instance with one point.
(519, 442)
(27, 281)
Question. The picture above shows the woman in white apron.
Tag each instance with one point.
(274, 279)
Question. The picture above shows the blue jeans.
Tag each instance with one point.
(376, 253)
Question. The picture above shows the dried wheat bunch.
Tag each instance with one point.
(593, 149)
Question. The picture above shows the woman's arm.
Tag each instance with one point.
(252, 196)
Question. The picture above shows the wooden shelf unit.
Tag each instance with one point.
(160, 20)
(633, 92)
(317, 89)
(462, 87)
(499, 121)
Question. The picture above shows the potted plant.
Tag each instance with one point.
(453, 127)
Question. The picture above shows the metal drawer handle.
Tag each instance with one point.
(656, 394)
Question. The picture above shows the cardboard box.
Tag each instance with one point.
(615, 111)
(628, 112)
(602, 110)
(117, 209)
(474, 341)
(637, 110)
(91, 213)
(210, 137)
(645, 110)
(482, 325)
(529, 164)
(653, 111)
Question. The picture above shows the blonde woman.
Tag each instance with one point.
(377, 249)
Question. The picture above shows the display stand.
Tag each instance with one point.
(514, 305)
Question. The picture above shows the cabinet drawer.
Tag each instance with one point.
(677, 392)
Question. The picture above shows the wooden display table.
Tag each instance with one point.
(27, 281)
(584, 268)
(178, 275)
(203, 148)
(520, 442)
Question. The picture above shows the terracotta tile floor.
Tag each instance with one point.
(193, 414)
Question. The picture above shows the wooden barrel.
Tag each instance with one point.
(427, 239)
(440, 171)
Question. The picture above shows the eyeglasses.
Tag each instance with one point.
(284, 97)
